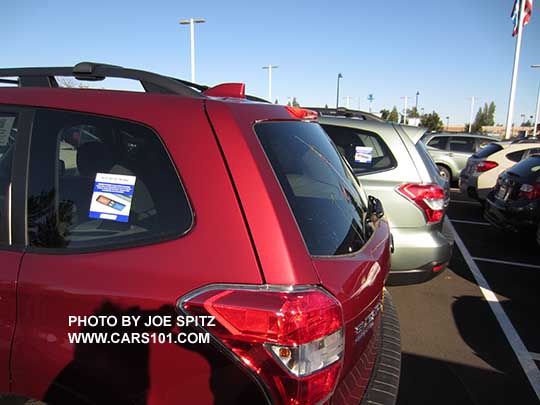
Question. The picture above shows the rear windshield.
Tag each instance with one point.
(528, 170)
(488, 150)
(428, 162)
(319, 186)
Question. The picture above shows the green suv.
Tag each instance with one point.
(393, 165)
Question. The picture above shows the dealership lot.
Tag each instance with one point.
(454, 348)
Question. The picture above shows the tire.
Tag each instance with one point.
(445, 173)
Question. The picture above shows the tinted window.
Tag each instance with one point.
(439, 142)
(531, 152)
(428, 161)
(8, 133)
(516, 156)
(462, 144)
(365, 151)
(528, 170)
(489, 150)
(100, 183)
(320, 188)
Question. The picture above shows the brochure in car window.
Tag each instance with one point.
(363, 154)
(112, 197)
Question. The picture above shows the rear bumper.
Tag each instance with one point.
(384, 383)
(417, 252)
(468, 185)
(512, 217)
(384, 360)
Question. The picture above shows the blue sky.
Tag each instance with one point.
(446, 50)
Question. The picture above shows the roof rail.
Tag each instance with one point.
(89, 71)
(345, 112)
(530, 139)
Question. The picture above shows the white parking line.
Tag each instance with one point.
(523, 355)
(535, 356)
(465, 202)
(485, 259)
(462, 221)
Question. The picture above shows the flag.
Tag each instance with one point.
(515, 14)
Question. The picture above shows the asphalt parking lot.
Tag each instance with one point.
(456, 336)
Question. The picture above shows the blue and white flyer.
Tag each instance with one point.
(112, 197)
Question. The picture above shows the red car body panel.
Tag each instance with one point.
(8, 310)
(224, 170)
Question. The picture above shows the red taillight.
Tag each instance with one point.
(292, 340)
(428, 197)
(530, 191)
(485, 166)
(438, 268)
(302, 113)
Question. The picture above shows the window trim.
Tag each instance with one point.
(19, 172)
(22, 223)
(379, 138)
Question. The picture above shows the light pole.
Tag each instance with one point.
(471, 115)
(416, 105)
(406, 98)
(447, 122)
(270, 67)
(537, 105)
(339, 76)
(371, 99)
(192, 22)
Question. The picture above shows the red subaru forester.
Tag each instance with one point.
(198, 204)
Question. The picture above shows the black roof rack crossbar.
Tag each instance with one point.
(151, 82)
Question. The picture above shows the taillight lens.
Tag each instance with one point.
(292, 340)
(485, 166)
(530, 191)
(428, 197)
(302, 113)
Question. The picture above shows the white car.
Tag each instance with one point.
(483, 168)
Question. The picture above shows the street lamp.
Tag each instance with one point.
(339, 76)
(192, 22)
(537, 105)
(270, 67)
(447, 122)
(417, 94)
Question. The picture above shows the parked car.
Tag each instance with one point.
(514, 203)
(393, 165)
(195, 202)
(483, 168)
(451, 151)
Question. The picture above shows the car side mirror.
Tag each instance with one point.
(375, 207)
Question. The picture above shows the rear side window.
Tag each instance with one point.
(365, 151)
(516, 156)
(8, 133)
(439, 142)
(320, 188)
(462, 144)
(489, 150)
(101, 183)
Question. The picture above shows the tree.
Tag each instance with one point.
(295, 103)
(385, 114)
(527, 123)
(484, 117)
(394, 115)
(276, 102)
(432, 122)
(70, 83)
(326, 106)
(413, 113)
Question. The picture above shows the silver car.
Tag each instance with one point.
(393, 165)
(451, 151)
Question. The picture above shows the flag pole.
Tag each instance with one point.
(510, 116)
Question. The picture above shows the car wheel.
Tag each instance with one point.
(445, 173)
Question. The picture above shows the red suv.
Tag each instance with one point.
(238, 220)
